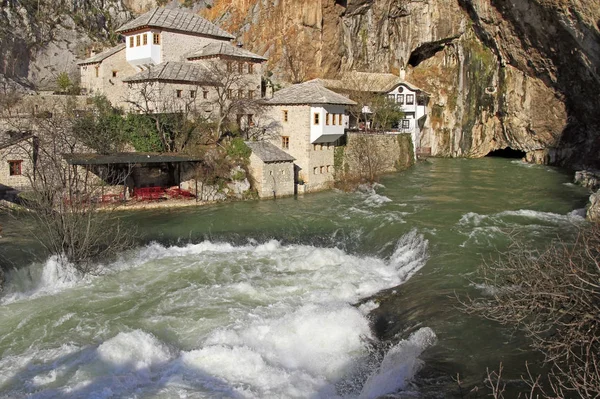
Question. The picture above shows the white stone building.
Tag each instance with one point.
(179, 57)
(411, 100)
(312, 119)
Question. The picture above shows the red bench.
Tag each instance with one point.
(179, 193)
(149, 193)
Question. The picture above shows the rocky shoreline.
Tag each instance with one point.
(591, 180)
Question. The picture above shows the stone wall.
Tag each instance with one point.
(367, 154)
(273, 179)
(176, 46)
(105, 83)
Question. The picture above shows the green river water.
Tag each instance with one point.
(328, 295)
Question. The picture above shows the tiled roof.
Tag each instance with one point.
(178, 20)
(366, 81)
(268, 152)
(172, 71)
(103, 55)
(127, 158)
(227, 49)
(16, 140)
(308, 93)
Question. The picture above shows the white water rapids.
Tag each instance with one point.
(208, 320)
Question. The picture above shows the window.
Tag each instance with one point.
(328, 168)
(405, 124)
(314, 147)
(340, 120)
(391, 97)
(240, 93)
(156, 39)
(137, 40)
(251, 94)
(250, 120)
(192, 93)
(321, 169)
(333, 119)
(114, 74)
(229, 66)
(401, 99)
(285, 142)
(410, 99)
(250, 68)
(145, 38)
(178, 93)
(131, 41)
(285, 115)
(97, 71)
(241, 67)
(327, 119)
(15, 168)
(316, 117)
(321, 147)
(229, 93)
(316, 170)
(205, 94)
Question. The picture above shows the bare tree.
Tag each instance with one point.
(366, 161)
(225, 99)
(553, 295)
(176, 121)
(65, 200)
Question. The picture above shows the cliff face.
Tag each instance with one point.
(40, 39)
(501, 73)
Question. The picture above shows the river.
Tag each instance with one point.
(328, 295)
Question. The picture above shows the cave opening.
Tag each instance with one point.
(507, 153)
(428, 50)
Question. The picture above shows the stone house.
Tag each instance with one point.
(177, 57)
(312, 119)
(17, 163)
(103, 73)
(271, 169)
(412, 100)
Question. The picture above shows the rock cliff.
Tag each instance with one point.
(41, 39)
(501, 73)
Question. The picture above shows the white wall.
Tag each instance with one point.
(143, 54)
(323, 133)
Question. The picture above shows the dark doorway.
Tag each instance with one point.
(507, 153)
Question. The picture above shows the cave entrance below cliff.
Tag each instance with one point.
(507, 153)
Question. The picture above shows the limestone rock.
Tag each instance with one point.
(588, 178)
(593, 210)
(239, 188)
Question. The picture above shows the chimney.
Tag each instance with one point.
(269, 91)
(240, 44)
(402, 73)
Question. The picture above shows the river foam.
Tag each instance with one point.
(217, 320)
